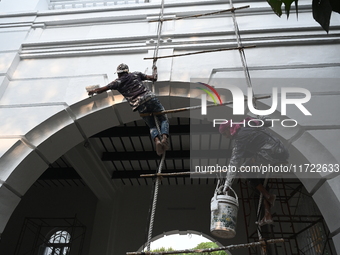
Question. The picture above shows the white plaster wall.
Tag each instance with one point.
(329, 194)
(15, 6)
(48, 57)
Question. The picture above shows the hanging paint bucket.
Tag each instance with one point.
(224, 210)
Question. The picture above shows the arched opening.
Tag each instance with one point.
(108, 139)
(179, 240)
(58, 243)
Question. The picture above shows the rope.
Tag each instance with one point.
(259, 210)
(159, 32)
(248, 79)
(158, 180)
(227, 181)
(241, 50)
(155, 195)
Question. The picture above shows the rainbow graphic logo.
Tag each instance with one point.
(209, 92)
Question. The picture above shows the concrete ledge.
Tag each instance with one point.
(6, 143)
(311, 149)
(318, 106)
(178, 89)
(20, 119)
(316, 152)
(103, 119)
(327, 197)
(14, 39)
(13, 157)
(49, 127)
(93, 104)
(9, 61)
(297, 158)
(329, 139)
(3, 85)
(121, 110)
(60, 142)
(26, 173)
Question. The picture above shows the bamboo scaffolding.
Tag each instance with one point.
(156, 186)
(166, 174)
(195, 107)
(203, 14)
(229, 247)
(189, 173)
(203, 51)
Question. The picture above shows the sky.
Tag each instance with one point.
(178, 242)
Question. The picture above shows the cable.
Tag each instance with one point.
(248, 79)
(158, 180)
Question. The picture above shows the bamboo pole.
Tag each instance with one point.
(165, 174)
(203, 51)
(194, 107)
(203, 14)
(229, 247)
(189, 173)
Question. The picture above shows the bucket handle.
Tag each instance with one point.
(216, 191)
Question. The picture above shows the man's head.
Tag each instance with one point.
(122, 68)
(224, 129)
(230, 128)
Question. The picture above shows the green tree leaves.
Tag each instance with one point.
(205, 245)
(322, 9)
(276, 6)
(209, 245)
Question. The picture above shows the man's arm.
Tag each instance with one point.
(98, 90)
(154, 75)
(236, 155)
(234, 164)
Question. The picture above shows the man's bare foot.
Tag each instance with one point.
(265, 221)
(159, 146)
(271, 199)
(267, 218)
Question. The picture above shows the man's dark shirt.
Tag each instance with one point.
(257, 141)
(132, 88)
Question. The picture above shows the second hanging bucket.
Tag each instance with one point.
(224, 210)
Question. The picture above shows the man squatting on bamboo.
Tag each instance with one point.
(141, 99)
(260, 147)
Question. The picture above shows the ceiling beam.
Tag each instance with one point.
(68, 173)
(138, 173)
(131, 131)
(60, 173)
(151, 155)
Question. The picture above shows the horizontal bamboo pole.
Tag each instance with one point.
(165, 174)
(203, 14)
(189, 173)
(203, 51)
(229, 247)
(193, 107)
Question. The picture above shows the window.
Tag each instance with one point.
(58, 244)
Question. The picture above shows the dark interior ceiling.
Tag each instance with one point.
(127, 151)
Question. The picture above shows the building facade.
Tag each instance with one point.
(51, 50)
